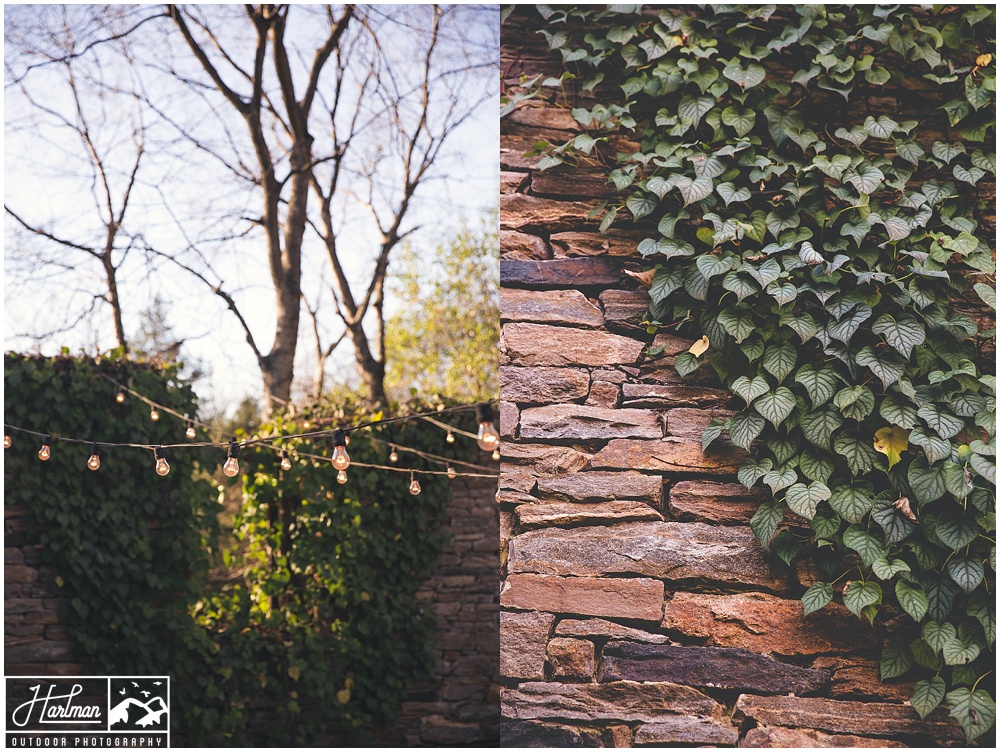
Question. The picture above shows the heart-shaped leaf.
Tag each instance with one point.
(780, 478)
(694, 108)
(744, 428)
(891, 442)
(748, 389)
(765, 521)
(818, 427)
(779, 360)
(903, 334)
(776, 406)
(752, 470)
(858, 595)
(927, 695)
(741, 120)
(803, 499)
(866, 178)
(852, 502)
(731, 193)
(816, 596)
(746, 78)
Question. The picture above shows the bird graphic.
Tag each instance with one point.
(135, 684)
(144, 692)
(157, 683)
(122, 692)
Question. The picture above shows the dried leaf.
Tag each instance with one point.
(643, 278)
(698, 348)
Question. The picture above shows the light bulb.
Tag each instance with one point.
(496, 455)
(94, 463)
(120, 397)
(451, 472)
(487, 438)
(414, 484)
(440, 407)
(154, 414)
(190, 432)
(450, 438)
(286, 464)
(45, 452)
(393, 455)
(340, 458)
(232, 466)
(162, 468)
(6, 438)
(342, 477)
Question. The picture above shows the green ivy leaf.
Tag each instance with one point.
(852, 502)
(855, 402)
(865, 178)
(882, 127)
(741, 120)
(858, 595)
(739, 325)
(895, 660)
(746, 78)
(749, 389)
(803, 499)
(845, 329)
(967, 574)
(781, 478)
(752, 470)
(779, 361)
(975, 711)
(730, 193)
(912, 598)
(694, 108)
(898, 414)
(886, 367)
(818, 427)
(859, 454)
(938, 420)
(640, 204)
(816, 597)
(766, 520)
(857, 539)
(776, 406)
(927, 695)
(903, 334)
(744, 428)
(816, 465)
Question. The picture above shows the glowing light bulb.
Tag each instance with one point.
(45, 452)
(450, 438)
(440, 407)
(120, 397)
(341, 460)
(414, 484)
(393, 454)
(286, 464)
(232, 466)
(94, 463)
(154, 414)
(487, 438)
(162, 468)
(190, 432)
(342, 477)
(496, 455)
(451, 472)
(6, 438)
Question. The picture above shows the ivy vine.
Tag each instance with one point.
(822, 246)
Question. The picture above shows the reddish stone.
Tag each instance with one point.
(512, 182)
(858, 679)
(522, 643)
(669, 455)
(581, 272)
(604, 394)
(618, 737)
(569, 513)
(571, 658)
(602, 487)
(808, 739)
(689, 423)
(569, 307)
(635, 598)
(538, 734)
(583, 422)
(717, 503)
(554, 118)
(508, 419)
(515, 244)
(543, 385)
(570, 182)
(512, 151)
(605, 628)
(543, 458)
(540, 345)
(672, 395)
(688, 732)
(625, 308)
(527, 213)
(765, 624)
(611, 243)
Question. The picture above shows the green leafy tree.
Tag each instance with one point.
(444, 339)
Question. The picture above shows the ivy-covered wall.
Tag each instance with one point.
(792, 190)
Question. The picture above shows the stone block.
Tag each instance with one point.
(604, 394)
(527, 213)
(688, 732)
(605, 628)
(570, 658)
(808, 739)
(543, 385)
(615, 701)
(514, 244)
(571, 182)
(766, 624)
(543, 459)
(512, 182)
(678, 552)
(858, 679)
(512, 151)
(571, 513)
(632, 598)
(581, 272)
(593, 487)
(553, 118)
(568, 307)
(439, 730)
(509, 416)
(671, 395)
(689, 423)
(618, 737)
(669, 455)
(720, 668)
(586, 422)
(612, 243)
(538, 734)
(625, 308)
(522, 643)
(716, 503)
(542, 345)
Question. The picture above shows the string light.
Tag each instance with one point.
(451, 472)
(190, 432)
(414, 483)
(342, 477)
(232, 466)
(488, 438)
(450, 438)
(94, 463)
(120, 397)
(393, 454)
(286, 464)
(341, 460)
(496, 455)
(154, 414)
(46, 451)
(162, 468)
(6, 437)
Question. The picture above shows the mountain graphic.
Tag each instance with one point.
(120, 712)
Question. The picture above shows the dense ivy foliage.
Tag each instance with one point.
(313, 633)
(819, 245)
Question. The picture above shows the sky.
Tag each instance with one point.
(184, 198)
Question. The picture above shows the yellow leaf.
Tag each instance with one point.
(698, 348)
(892, 442)
(643, 278)
(295, 672)
(984, 60)
(344, 696)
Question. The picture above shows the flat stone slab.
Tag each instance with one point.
(587, 422)
(712, 502)
(543, 385)
(808, 739)
(610, 243)
(522, 245)
(617, 701)
(721, 668)
(522, 643)
(690, 423)
(686, 731)
(569, 307)
(677, 552)
(538, 734)
(633, 598)
(571, 513)
(526, 213)
(543, 459)
(671, 395)
(576, 272)
(879, 719)
(544, 345)
(571, 658)
(605, 628)
(572, 183)
(858, 679)
(766, 624)
(602, 487)
(669, 455)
